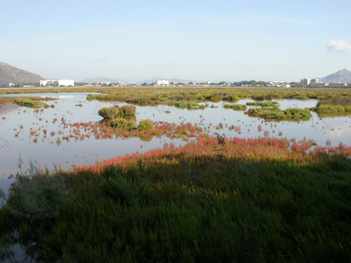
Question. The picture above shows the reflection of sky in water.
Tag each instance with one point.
(47, 153)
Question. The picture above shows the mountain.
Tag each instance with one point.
(103, 79)
(341, 76)
(10, 74)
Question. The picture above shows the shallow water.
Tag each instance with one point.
(18, 147)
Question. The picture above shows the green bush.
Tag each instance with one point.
(123, 123)
(145, 125)
(216, 98)
(39, 196)
(128, 110)
(234, 98)
(109, 112)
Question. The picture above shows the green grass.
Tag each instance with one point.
(277, 114)
(210, 201)
(189, 105)
(234, 106)
(263, 104)
(170, 96)
(334, 107)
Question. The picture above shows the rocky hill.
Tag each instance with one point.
(10, 74)
(341, 76)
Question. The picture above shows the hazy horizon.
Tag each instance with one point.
(192, 40)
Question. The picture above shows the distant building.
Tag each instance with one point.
(305, 82)
(48, 82)
(12, 84)
(162, 83)
(319, 85)
(55, 83)
(338, 85)
(316, 81)
(66, 82)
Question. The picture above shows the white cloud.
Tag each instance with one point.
(340, 46)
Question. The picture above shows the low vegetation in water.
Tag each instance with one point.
(275, 113)
(235, 106)
(145, 125)
(119, 128)
(189, 105)
(213, 200)
(122, 123)
(335, 106)
(157, 96)
(28, 102)
(263, 104)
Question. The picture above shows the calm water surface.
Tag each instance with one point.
(18, 148)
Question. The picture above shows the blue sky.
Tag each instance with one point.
(194, 40)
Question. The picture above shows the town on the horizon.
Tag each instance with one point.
(14, 77)
(313, 83)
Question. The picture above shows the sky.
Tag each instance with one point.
(193, 40)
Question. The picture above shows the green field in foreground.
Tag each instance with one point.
(213, 200)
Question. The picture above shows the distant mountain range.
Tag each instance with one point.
(341, 76)
(10, 74)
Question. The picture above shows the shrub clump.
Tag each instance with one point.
(128, 110)
(38, 197)
(215, 98)
(145, 125)
(117, 112)
(109, 112)
(123, 124)
(234, 98)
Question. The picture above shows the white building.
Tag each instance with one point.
(162, 83)
(66, 82)
(48, 82)
(305, 81)
(55, 83)
(316, 81)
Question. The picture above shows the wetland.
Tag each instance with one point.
(243, 164)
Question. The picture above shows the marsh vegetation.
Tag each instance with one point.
(210, 184)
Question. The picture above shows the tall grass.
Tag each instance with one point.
(213, 200)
